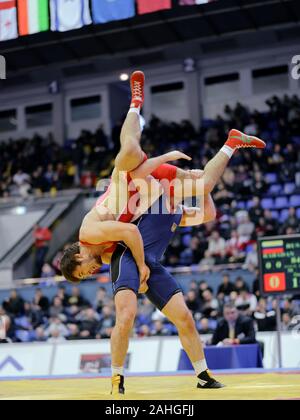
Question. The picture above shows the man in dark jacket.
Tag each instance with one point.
(234, 328)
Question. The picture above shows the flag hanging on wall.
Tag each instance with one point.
(67, 15)
(146, 6)
(108, 10)
(8, 20)
(33, 16)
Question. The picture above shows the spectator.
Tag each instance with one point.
(226, 287)
(14, 305)
(42, 236)
(76, 298)
(246, 302)
(88, 323)
(107, 322)
(234, 328)
(40, 301)
(192, 301)
(57, 308)
(216, 247)
(265, 319)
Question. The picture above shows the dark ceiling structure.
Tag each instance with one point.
(152, 38)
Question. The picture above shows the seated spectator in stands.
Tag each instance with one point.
(256, 211)
(246, 302)
(106, 323)
(192, 302)
(271, 224)
(203, 285)
(159, 329)
(14, 305)
(56, 337)
(265, 319)
(216, 247)
(286, 322)
(40, 301)
(204, 327)
(276, 159)
(88, 320)
(143, 331)
(74, 333)
(245, 226)
(56, 308)
(251, 262)
(234, 247)
(292, 221)
(226, 287)
(101, 300)
(259, 185)
(42, 237)
(193, 286)
(62, 294)
(240, 284)
(39, 335)
(56, 325)
(210, 305)
(76, 299)
(234, 328)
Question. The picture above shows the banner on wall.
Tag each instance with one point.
(8, 20)
(33, 16)
(146, 6)
(108, 10)
(67, 15)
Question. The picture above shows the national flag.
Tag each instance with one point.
(33, 16)
(146, 6)
(8, 20)
(67, 15)
(272, 247)
(108, 10)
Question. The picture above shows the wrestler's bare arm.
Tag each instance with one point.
(194, 216)
(96, 232)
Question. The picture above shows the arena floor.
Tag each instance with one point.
(279, 385)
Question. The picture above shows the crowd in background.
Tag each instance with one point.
(73, 317)
(243, 214)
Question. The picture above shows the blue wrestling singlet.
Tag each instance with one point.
(157, 231)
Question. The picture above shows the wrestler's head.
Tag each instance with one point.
(77, 265)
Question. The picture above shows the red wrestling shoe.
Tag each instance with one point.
(137, 83)
(237, 140)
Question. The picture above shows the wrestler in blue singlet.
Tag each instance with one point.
(157, 231)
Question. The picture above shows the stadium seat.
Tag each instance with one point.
(267, 203)
(275, 189)
(241, 205)
(281, 202)
(186, 240)
(298, 212)
(283, 215)
(275, 214)
(289, 188)
(271, 178)
(295, 201)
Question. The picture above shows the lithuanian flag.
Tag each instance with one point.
(33, 16)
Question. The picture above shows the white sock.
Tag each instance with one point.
(227, 150)
(135, 110)
(200, 366)
(117, 370)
